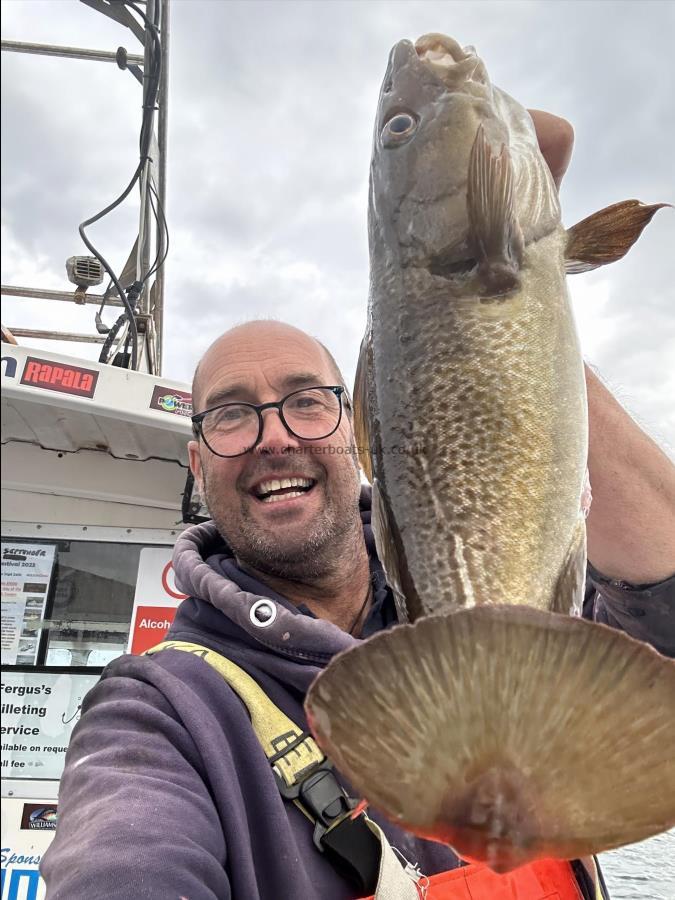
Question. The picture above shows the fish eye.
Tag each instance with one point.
(398, 129)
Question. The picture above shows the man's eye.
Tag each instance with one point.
(231, 415)
(304, 400)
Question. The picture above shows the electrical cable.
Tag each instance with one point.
(106, 348)
(158, 211)
(129, 298)
(106, 265)
(125, 352)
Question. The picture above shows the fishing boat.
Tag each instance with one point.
(95, 478)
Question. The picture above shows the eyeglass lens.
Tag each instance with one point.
(309, 414)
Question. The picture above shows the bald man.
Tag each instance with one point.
(305, 541)
(170, 790)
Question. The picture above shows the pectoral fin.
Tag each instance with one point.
(389, 550)
(568, 597)
(495, 233)
(607, 235)
(361, 426)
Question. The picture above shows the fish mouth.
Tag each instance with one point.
(450, 62)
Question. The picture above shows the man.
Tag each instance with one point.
(167, 792)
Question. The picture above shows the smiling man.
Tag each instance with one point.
(190, 773)
(287, 507)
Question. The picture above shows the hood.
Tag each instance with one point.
(205, 569)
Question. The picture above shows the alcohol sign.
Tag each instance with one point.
(156, 599)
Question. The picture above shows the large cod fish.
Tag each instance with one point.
(500, 722)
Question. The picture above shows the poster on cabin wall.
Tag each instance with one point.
(26, 577)
(156, 599)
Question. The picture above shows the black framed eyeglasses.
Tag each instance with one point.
(233, 429)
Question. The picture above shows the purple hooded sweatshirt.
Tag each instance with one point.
(167, 793)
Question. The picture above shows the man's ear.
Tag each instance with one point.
(196, 464)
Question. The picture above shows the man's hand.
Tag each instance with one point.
(556, 140)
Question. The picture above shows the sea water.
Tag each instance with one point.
(644, 871)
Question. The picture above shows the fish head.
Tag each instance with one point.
(435, 99)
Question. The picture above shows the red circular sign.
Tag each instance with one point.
(171, 591)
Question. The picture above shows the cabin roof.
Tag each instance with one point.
(68, 404)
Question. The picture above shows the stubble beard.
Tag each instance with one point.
(309, 557)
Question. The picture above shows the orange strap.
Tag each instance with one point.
(545, 879)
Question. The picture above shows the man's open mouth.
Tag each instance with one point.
(273, 489)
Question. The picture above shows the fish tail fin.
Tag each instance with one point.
(509, 733)
(494, 228)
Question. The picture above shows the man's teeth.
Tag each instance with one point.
(268, 487)
(273, 497)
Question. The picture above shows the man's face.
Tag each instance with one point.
(297, 537)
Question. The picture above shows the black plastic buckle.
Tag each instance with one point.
(319, 793)
(348, 844)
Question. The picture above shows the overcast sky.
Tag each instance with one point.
(271, 110)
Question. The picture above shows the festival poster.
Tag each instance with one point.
(26, 576)
(156, 599)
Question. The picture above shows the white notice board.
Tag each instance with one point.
(39, 712)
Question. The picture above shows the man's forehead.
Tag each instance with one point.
(243, 360)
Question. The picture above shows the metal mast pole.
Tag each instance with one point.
(162, 133)
(143, 264)
(67, 52)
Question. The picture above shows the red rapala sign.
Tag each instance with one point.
(63, 378)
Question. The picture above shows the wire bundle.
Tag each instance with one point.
(126, 323)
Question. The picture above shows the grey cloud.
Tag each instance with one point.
(271, 114)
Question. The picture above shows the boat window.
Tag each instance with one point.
(56, 657)
(66, 603)
(68, 607)
(93, 599)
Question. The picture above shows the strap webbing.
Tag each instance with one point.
(275, 731)
(393, 881)
(356, 847)
(590, 863)
(355, 851)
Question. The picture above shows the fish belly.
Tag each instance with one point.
(482, 435)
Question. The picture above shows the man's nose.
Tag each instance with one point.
(275, 436)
